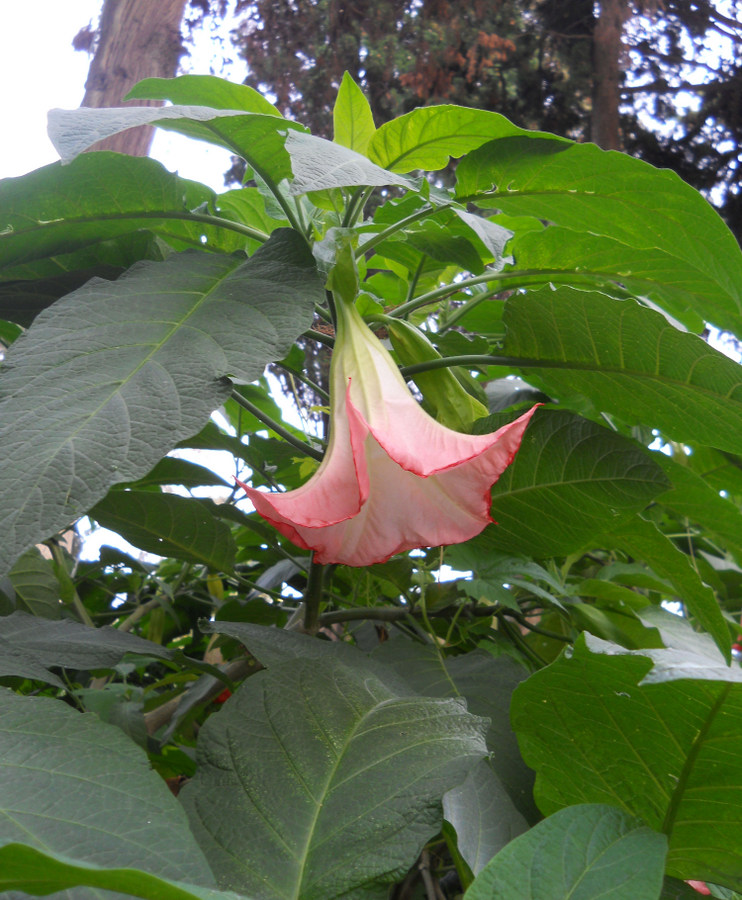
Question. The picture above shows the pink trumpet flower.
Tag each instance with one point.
(393, 478)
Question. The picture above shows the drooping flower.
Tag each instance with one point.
(393, 478)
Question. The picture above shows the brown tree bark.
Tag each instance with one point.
(137, 39)
(607, 53)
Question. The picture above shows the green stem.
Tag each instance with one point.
(320, 392)
(481, 360)
(277, 427)
(320, 337)
(502, 281)
(394, 228)
(313, 597)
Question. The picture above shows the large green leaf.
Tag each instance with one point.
(111, 377)
(587, 852)
(560, 256)
(629, 361)
(24, 868)
(600, 192)
(168, 525)
(668, 751)
(60, 209)
(487, 684)
(318, 781)
(69, 781)
(429, 136)
(257, 137)
(569, 477)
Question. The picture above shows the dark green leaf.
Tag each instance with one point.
(90, 788)
(569, 477)
(587, 852)
(36, 585)
(696, 500)
(280, 803)
(24, 868)
(629, 361)
(669, 752)
(168, 525)
(72, 645)
(99, 196)
(486, 683)
(112, 376)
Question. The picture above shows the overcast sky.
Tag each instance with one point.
(39, 70)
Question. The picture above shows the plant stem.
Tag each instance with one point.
(313, 597)
(277, 427)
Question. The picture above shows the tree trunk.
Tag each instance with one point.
(137, 39)
(607, 52)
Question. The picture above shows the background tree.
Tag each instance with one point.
(134, 39)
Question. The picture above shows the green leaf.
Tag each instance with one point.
(43, 643)
(311, 764)
(60, 209)
(629, 361)
(352, 118)
(483, 816)
(429, 136)
(487, 684)
(668, 752)
(110, 378)
(256, 137)
(320, 165)
(568, 479)
(67, 780)
(643, 540)
(587, 852)
(168, 525)
(589, 190)
(203, 90)
(36, 585)
(559, 256)
(24, 868)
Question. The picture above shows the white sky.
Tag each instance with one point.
(39, 70)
